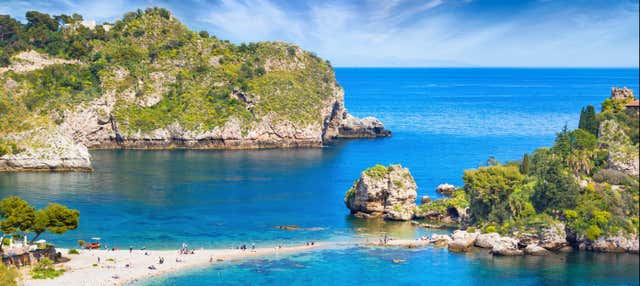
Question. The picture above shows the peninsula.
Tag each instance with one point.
(146, 81)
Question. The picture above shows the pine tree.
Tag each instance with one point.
(583, 119)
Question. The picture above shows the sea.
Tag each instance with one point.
(444, 120)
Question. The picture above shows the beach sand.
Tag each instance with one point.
(112, 269)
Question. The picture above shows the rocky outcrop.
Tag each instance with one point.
(446, 189)
(388, 192)
(32, 60)
(368, 127)
(553, 237)
(617, 244)
(462, 241)
(621, 93)
(425, 200)
(623, 155)
(59, 154)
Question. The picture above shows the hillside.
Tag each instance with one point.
(148, 82)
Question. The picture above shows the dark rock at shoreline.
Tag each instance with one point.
(446, 189)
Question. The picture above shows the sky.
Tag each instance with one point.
(404, 33)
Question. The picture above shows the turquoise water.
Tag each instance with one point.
(443, 121)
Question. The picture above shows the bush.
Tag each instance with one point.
(73, 251)
(378, 171)
(45, 269)
(593, 232)
(490, 229)
(81, 243)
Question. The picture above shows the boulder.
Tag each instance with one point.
(445, 189)
(536, 250)
(462, 241)
(425, 200)
(486, 240)
(565, 249)
(506, 246)
(440, 239)
(389, 192)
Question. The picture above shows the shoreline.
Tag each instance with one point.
(84, 268)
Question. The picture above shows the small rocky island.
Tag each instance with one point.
(388, 192)
(148, 82)
(579, 194)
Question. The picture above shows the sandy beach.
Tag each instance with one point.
(84, 268)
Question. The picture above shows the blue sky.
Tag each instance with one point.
(403, 32)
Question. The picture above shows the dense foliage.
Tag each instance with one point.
(577, 181)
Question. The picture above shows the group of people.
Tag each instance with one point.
(244, 247)
(185, 250)
(310, 243)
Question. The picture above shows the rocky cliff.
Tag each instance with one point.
(388, 192)
(149, 82)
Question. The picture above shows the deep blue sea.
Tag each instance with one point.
(443, 121)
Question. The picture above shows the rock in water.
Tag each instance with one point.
(425, 200)
(506, 246)
(554, 237)
(487, 240)
(536, 250)
(445, 189)
(388, 192)
(462, 241)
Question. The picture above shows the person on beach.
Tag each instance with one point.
(98, 259)
(130, 249)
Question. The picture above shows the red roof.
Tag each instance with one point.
(635, 103)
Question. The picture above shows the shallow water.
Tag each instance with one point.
(443, 121)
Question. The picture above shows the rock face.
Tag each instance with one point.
(388, 192)
(618, 244)
(462, 241)
(445, 189)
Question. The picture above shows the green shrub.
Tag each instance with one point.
(593, 232)
(45, 269)
(73, 251)
(490, 229)
(378, 171)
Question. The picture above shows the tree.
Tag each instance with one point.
(556, 189)
(37, 19)
(488, 189)
(524, 166)
(204, 34)
(588, 120)
(55, 218)
(562, 145)
(17, 216)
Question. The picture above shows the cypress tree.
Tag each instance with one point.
(583, 118)
(591, 124)
(524, 166)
